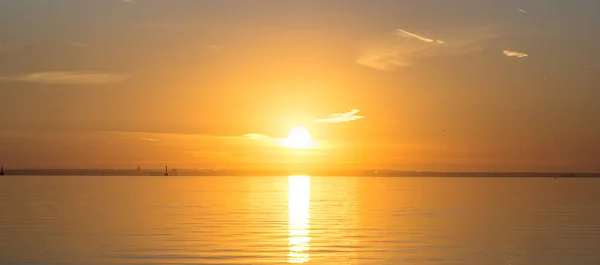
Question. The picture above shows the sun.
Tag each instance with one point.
(299, 138)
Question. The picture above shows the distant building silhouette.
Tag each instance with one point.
(166, 171)
(1, 171)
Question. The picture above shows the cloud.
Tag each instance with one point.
(522, 11)
(128, 1)
(154, 140)
(391, 52)
(383, 60)
(67, 78)
(113, 149)
(341, 117)
(514, 54)
(401, 32)
(255, 136)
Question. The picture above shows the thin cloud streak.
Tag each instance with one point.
(150, 139)
(522, 11)
(392, 53)
(67, 78)
(341, 117)
(419, 37)
(514, 54)
(256, 136)
(383, 60)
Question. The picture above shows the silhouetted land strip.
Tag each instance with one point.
(361, 173)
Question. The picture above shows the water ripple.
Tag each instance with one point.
(299, 219)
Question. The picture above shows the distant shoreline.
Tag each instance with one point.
(267, 173)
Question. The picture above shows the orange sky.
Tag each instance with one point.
(456, 87)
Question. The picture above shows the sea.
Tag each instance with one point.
(298, 219)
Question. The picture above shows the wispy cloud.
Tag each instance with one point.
(154, 140)
(391, 52)
(66, 77)
(514, 54)
(149, 150)
(255, 136)
(419, 37)
(341, 117)
(128, 1)
(522, 11)
(383, 60)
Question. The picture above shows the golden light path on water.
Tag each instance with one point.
(299, 218)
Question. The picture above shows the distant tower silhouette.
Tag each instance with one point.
(1, 171)
(166, 171)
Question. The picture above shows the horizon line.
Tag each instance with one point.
(233, 170)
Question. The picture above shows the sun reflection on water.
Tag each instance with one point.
(298, 218)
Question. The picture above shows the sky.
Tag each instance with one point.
(470, 85)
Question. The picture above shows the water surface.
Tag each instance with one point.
(298, 219)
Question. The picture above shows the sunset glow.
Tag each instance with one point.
(299, 218)
(275, 85)
(299, 138)
(299, 132)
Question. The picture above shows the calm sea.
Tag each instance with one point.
(299, 219)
